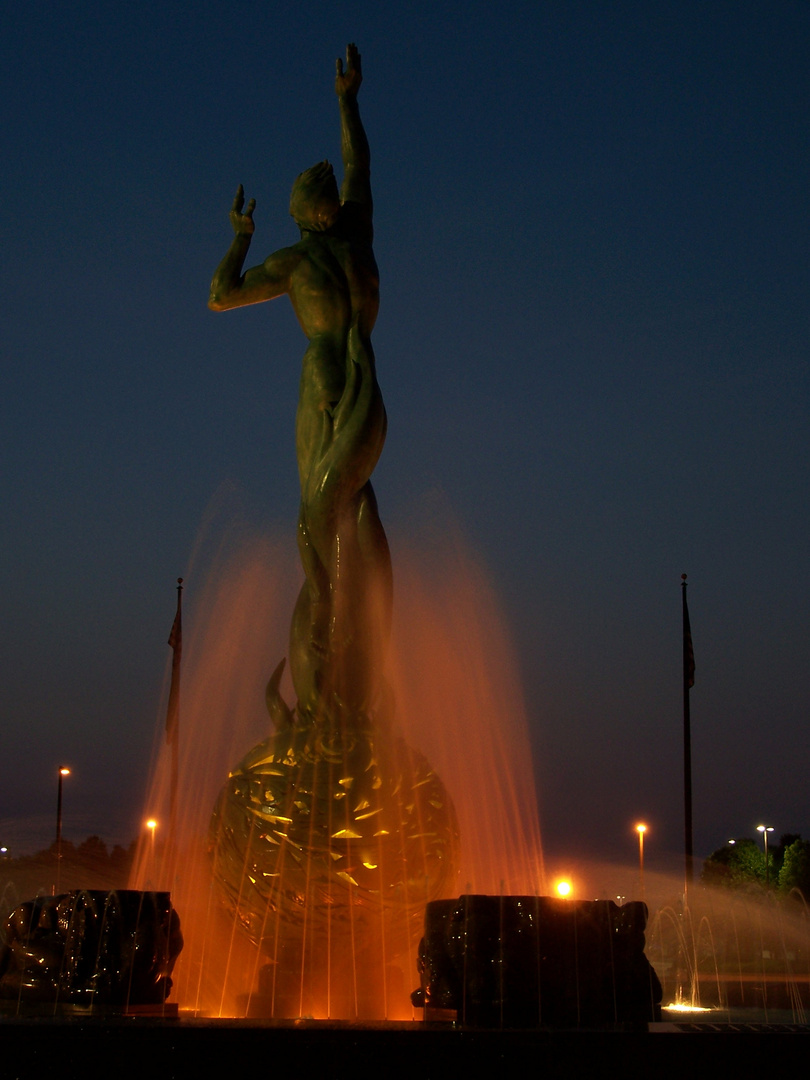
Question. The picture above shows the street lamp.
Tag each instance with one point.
(151, 826)
(63, 772)
(765, 829)
(641, 829)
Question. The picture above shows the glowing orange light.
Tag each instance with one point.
(564, 888)
(151, 824)
(446, 628)
(641, 828)
(64, 771)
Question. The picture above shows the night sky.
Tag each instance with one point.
(592, 231)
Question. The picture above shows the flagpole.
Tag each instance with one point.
(173, 723)
(688, 681)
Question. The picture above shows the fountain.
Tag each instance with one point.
(734, 953)
(334, 837)
(451, 671)
(330, 836)
(334, 844)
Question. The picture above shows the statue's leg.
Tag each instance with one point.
(309, 631)
(361, 604)
(342, 619)
(375, 556)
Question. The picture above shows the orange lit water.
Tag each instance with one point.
(458, 702)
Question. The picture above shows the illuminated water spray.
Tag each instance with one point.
(251, 946)
(329, 838)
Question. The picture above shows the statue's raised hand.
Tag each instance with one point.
(347, 82)
(242, 222)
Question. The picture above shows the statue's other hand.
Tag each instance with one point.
(347, 82)
(242, 222)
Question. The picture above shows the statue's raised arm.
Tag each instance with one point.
(231, 288)
(356, 186)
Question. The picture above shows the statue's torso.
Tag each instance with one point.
(335, 283)
(334, 286)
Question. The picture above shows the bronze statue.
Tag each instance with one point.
(342, 618)
(329, 837)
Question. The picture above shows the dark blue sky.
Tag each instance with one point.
(592, 230)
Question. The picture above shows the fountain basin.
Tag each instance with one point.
(531, 961)
(91, 948)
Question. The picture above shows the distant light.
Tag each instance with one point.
(764, 828)
(682, 1007)
(641, 828)
(64, 771)
(564, 888)
(151, 824)
(732, 841)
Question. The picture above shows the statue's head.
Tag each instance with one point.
(314, 202)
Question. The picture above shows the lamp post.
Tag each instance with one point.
(641, 829)
(63, 772)
(151, 826)
(765, 829)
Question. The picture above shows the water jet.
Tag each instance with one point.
(332, 837)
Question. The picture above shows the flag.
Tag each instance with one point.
(688, 651)
(176, 644)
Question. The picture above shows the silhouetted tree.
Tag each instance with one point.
(795, 870)
(736, 865)
(93, 849)
(86, 866)
(121, 859)
(742, 863)
(776, 855)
